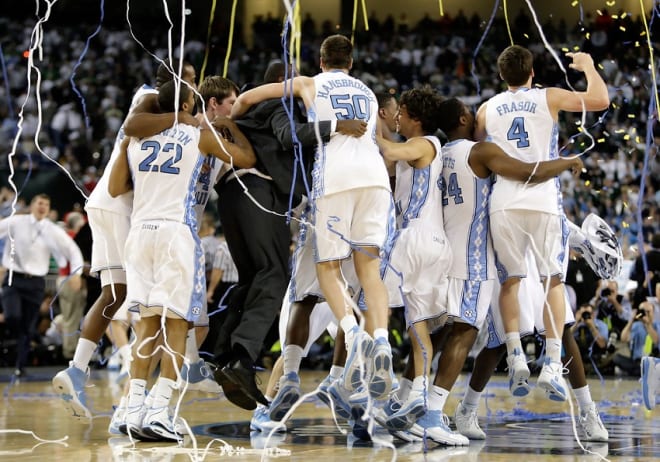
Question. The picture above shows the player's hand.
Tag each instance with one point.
(352, 127)
(578, 167)
(581, 61)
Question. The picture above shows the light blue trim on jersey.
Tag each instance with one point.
(198, 293)
(477, 251)
(190, 200)
(420, 187)
(302, 240)
(564, 241)
(469, 300)
(318, 182)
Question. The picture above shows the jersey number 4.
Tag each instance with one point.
(451, 188)
(350, 107)
(154, 148)
(517, 132)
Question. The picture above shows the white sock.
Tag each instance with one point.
(583, 397)
(405, 385)
(437, 398)
(347, 324)
(192, 352)
(553, 349)
(136, 389)
(381, 333)
(163, 392)
(335, 371)
(512, 340)
(472, 397)
(83, 354)
(420, 384)
(292, 358)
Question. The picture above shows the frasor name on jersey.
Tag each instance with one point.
(525, 106)
(180, 135)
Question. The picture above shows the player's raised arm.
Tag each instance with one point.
(234, 147)
(594, 98)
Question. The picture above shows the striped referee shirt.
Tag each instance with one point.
(222, 260)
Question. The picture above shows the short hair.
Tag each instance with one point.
(217, 87)
(383, 98)
(274, 72)
(423, 104)
(336, 52)
(167, 96)
(515, 65)
(450, 111)
(164, 72)
(40, 196)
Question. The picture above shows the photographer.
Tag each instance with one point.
(613, 308)
(591, 335)
(640, 331)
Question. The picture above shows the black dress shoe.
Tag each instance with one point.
(233, 390)
(244, 377)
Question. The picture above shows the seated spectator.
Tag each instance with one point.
(641, 332)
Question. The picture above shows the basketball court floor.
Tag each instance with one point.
(34, 427)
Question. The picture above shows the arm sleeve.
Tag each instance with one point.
(69, 249)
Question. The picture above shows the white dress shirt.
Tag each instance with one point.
(33, 242)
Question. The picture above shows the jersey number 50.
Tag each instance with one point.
(350, 107)
(167, 166)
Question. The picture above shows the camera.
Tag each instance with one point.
(606, 292)
(586, 315)
(640, 314)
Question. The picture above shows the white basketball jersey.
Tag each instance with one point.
(100, 198)
(165, 169)
(465, 205)
(208, 176)
(522, 125)
(346, 162)
(418, 194)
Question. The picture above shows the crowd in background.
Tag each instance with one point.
(393, 55)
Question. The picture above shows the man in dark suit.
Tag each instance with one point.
(259, 239)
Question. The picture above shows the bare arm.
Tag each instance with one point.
(594, 98)
(145, 118)
(303, 87)
(120, 175)
(216, 276)
(417, 151)
(236, 151)
(497, 161)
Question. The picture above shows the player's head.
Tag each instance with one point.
(456, 119)
(167, 98)
(275, 72)
(388, 108)
(336, 53)
(165, 73)
(219, 95)
(419, 105)
(515, 65)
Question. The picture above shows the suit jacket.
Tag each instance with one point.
(269, 129)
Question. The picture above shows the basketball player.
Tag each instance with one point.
(523, 121)
(164, 170)
(109, 221)
(351, 202)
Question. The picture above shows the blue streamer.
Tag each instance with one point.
(481, 41)
(79, 62)
(10, 106)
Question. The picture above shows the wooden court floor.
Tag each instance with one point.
(34, 427)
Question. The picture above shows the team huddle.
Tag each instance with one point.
(472, 237)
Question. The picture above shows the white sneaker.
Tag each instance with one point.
(592, 426)
(132, 425)
(118, 418)
(159, 424)
(434, 425)
(650, 379)
(551, 380)
(467, 422)
(518, 373)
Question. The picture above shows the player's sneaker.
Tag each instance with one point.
(434, 425)
(199, 377)
(69, 384)
(382, 374)
(159, 424)
(322, 389)
(650, 380)
(287, 395)
(340, 397)
(118, 417)
(356, 369)
(132, 425)
(592, 426)
(551, 380)
(518, 373)
(261, 421)
(467, 422)
(402, 416)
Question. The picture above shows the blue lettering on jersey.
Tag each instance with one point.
(330, 85)
(525, 106)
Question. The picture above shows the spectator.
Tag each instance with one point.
(591, 335)
(641, 332)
